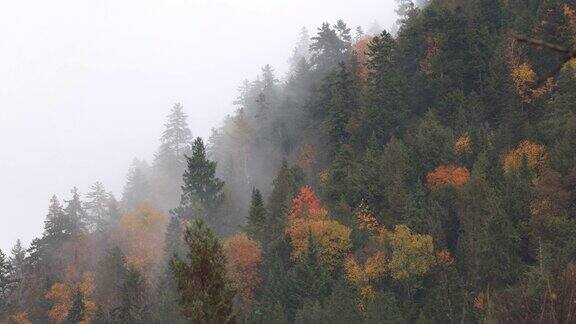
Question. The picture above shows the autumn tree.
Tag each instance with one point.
(71, 299)
(140, 233)
(244, 257)
(206, 292)
(308, 217)
(534, 154)
(447, 175)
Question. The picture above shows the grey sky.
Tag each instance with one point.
(85, 85)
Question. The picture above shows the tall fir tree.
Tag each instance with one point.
(133, 307)
(206, 292)
(256, 224)
(77, 311)
(137, 188)
(96, 206)
(75, 214)
(6, 282)
(202, 192)
(169, 161)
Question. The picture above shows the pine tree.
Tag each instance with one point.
(17, 259)
(404, 10)
(387, 107)
(342, 103)
(6, 281)
(201, 187)
(100, 317)
(206, 292)
(55, 225)
(111, 275)
(309, 279)
(284, 188)
(96, 206)
(169, 161)
(167, 306)
(301, 51)
(77, 312)
(133, 306)
(328, 49)
(137, 188)
(176, 136)
(256, 225)
(75, 214)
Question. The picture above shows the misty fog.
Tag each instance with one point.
(86, 85)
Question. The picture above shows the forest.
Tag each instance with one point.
(424, 175)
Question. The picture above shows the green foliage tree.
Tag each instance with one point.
(256, 224)
(206, 292)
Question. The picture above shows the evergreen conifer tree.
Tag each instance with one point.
(206, 292)
(256, 225)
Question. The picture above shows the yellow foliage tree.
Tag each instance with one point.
(308, 215)
(463, 145)
(401, 254)
(140, 234)
(365, 219)
(412, 254)
(535, 156)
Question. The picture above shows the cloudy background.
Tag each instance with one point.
(85, 84)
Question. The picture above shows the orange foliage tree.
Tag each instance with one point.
(308, 215)
(447, 175)
(534, 154)
(431, 51)
(361, 50)
(60, 295)
(20, 318)
(244, 257)
(140, 234)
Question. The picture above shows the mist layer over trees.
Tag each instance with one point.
(424, 176)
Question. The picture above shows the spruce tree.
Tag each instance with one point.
(133, 306)
(206, 292)
(309, 279)
(167, 306)
(55, 225)
(137, 188)
(284, 188)
(328, 49)
(77, 311)
(176, 136)
(17, 259)
(201, 187)
(6, 281)
(169, 162)
(256, 225)
(75, 215)
(96, 206)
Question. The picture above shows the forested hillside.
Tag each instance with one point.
(425, 176)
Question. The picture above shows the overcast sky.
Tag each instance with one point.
(85, 85)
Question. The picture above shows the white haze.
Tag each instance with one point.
(85, 85)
